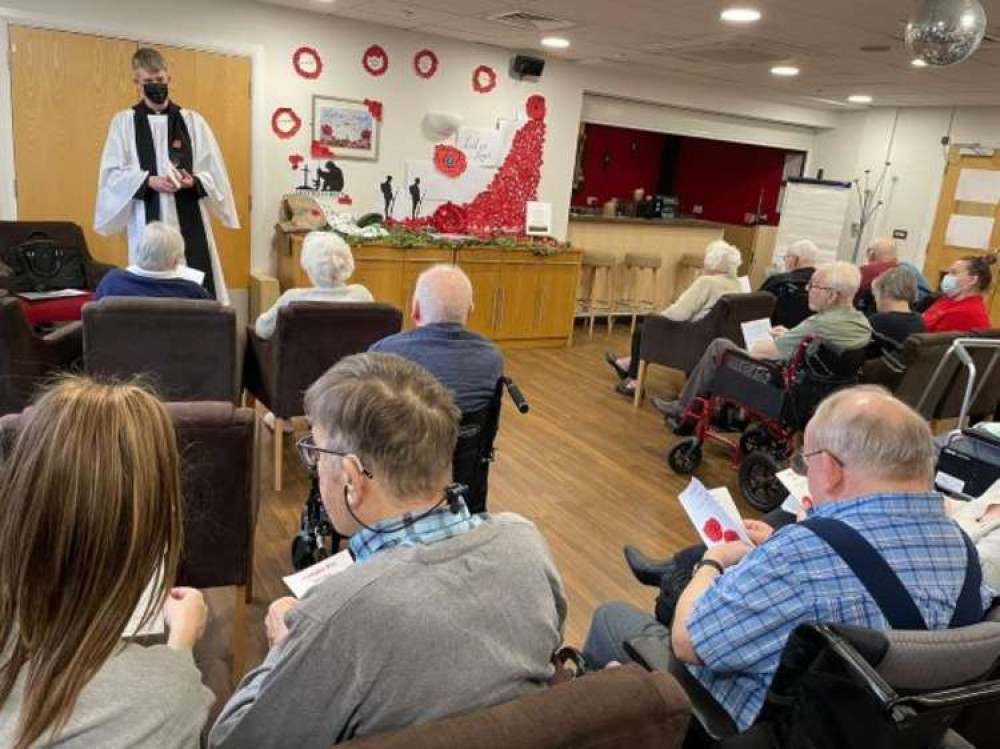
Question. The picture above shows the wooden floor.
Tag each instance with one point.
(586, 467)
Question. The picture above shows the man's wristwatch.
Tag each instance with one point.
(709, 563)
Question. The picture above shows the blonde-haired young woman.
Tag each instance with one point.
(90, 511)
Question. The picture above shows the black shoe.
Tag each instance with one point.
(681, 427)
(623, 389)
(612, 360)
(672, 409)
(647, 571)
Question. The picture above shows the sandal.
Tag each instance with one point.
(612, 360)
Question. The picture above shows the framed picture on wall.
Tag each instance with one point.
(345, 126)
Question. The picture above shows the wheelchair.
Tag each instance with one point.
(474, 452)
(771, 404)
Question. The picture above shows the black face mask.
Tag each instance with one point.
(155, 92)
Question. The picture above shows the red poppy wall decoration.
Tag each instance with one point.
(535, 107)
(374, 109)
(345, 200)
(296, 159)
(450, 219)
(285, 123)
(307, 63)
(321, 151)
(484, 79)
(450, 160)
(375, 60)
(425, 63)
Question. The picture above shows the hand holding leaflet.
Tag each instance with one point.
(714, 514)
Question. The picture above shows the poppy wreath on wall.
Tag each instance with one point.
(484, 79)
(375, 60)
(425, 63)
(285, 123)
(307, 63)
(450, 161)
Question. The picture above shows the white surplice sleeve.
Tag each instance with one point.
(210, 169)
(119, 178)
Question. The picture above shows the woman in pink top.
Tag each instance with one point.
(962, 307)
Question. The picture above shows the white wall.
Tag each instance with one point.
(911, 140)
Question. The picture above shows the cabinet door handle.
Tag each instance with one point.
(493, 309)
(503, 304)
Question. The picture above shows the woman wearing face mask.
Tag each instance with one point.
(962, 307)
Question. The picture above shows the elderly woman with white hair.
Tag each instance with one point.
(328, 262)
(718, 278)
(157, 269)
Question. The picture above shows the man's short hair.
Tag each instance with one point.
(899, 283)
(883, 249)
(147, 58)
(326, 259)
(160, 248)
(806, 251)
(841, 276)
(394, 415)
(871, 431)
(444, 293)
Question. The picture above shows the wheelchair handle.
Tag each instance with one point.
(516, 395)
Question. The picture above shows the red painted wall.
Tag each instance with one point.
(726, 179)
(629, 167)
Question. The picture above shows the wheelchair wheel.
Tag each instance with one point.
(756, 437)
(685, 457)
(761, 488)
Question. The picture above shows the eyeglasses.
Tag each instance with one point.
(810, 286)
(799, 461)
(309, 453)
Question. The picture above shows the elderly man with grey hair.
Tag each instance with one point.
(465, 362)
(789, 287)
(158, 269)
(831, 296)
(441, 613)
(718, 277)
(882, 255)
(328, 262)
(873, 524)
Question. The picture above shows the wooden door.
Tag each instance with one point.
(557, 282)
(518, 307)
(65, 88)
(483, 269)
(955, 202)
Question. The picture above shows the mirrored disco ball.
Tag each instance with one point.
(945, 32)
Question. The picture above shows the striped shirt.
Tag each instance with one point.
(740, 625)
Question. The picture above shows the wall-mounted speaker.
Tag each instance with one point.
(523, 66)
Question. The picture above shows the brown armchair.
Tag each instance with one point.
(681, 344)
(942, 399)
(310, 337)
(617, 707)
(26, 359)
(65, 233)
(186, 347)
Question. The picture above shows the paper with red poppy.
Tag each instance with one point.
(713, 513)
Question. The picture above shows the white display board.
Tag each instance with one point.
(814, 211)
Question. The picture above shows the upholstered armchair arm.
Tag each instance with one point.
(64, 346)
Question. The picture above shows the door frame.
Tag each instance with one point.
(255, 52)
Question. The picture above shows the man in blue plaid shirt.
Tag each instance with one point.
(870, 463)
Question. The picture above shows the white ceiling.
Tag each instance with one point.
(684, 38)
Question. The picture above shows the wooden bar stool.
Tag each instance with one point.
(642, 281)
(595, 296)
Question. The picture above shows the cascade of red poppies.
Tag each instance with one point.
(502, 205)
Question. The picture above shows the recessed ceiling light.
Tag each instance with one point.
(555, 42)
(740, 15)
(785, 71)
(860, 99)
(918, 62)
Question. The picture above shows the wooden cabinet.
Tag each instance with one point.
(521, 300)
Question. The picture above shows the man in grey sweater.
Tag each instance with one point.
(443, 612)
